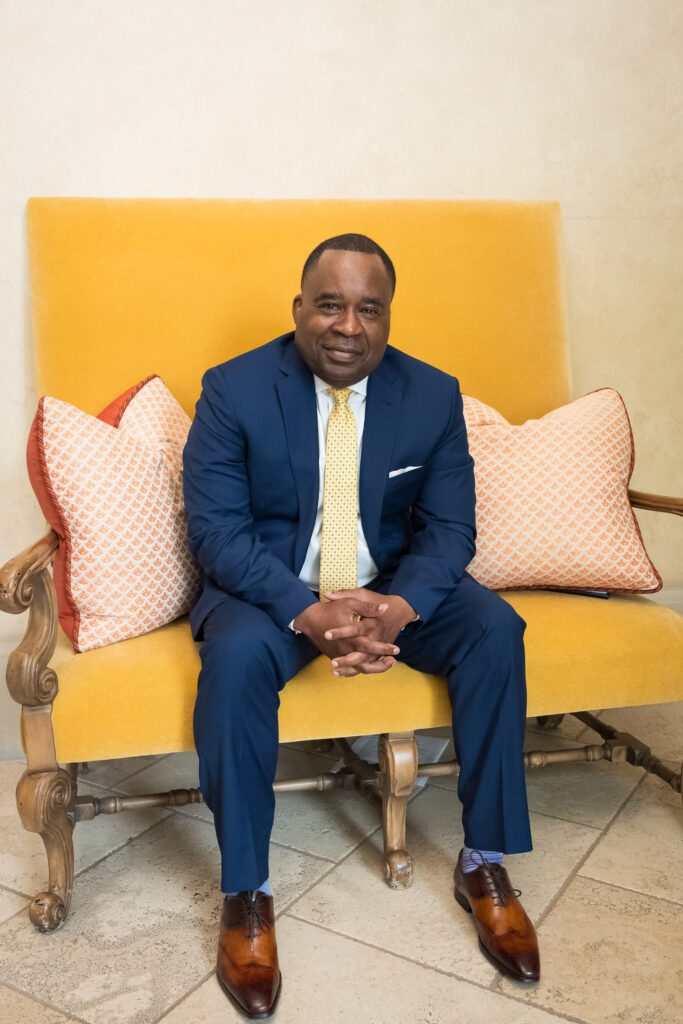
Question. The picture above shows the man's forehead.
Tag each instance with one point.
(341, 267)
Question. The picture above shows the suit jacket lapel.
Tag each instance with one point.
(382, 409)
(296, 391)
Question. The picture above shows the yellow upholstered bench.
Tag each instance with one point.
(126, 288)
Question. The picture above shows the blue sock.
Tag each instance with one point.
(262, 888)
(472, 859)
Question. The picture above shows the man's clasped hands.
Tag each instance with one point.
(356, 629)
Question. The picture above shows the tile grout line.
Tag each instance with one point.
(635, 892)
(383, 949)
(82, 872)
(159, 758)
(546, 814)
(307, 853)
(575, 870)
(184, 996)
(277, 842)
(431, 967)
(42, 1002)
(568, 821)
(115, 787)
(209, 824)
(128, 842)
(557, 817)
(304, 892)
(174, 810)
(378, 828)
(17, 892)
(16, 913)
(284, 909)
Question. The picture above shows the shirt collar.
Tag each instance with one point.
(361, 387)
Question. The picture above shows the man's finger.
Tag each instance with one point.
(374, 650)
(367, 609)
(366, 667)
(364, 645)
(381, 665)
(357, 631)
(343, 632)
(353, 658)
(359, 604)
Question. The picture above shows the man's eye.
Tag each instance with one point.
(371, 310)
(329, 305)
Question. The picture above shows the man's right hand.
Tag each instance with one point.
(373, 655)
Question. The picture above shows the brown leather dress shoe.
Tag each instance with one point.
(507, 937)
(247, 966)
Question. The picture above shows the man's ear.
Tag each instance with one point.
(296, 307)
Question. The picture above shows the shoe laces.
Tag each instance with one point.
(253, 916)
(500, 891)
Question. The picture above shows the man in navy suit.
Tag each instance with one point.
(254, 467)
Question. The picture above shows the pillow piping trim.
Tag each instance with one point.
(131, 395)
(68, 542)
(654, 590)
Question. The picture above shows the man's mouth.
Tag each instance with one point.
(344, 355)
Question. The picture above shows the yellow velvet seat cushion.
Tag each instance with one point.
(137, 696)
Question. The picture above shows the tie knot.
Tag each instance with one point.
(341, 396)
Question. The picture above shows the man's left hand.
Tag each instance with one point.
(398, 614)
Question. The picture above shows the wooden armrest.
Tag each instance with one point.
(26, 582)
(656, 502)
(16, 592)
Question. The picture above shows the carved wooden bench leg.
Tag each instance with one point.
(46, 793)
(44, 800)
(398, 760)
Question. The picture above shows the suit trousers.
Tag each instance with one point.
(474, 639)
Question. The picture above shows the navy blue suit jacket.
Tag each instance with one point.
(250, 471)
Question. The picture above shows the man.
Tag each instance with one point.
(330, 498)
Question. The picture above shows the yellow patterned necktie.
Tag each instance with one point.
(339, 542)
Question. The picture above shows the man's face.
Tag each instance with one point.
(342, 316)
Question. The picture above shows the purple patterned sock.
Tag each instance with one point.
(472, 859)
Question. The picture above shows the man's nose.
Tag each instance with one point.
(348, 323)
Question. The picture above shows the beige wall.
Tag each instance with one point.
(579, 102)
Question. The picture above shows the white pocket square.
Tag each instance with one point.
(406, 469)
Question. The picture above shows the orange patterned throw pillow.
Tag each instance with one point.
(111, 488)
(552, 499)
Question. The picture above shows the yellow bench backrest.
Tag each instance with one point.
(122, 288)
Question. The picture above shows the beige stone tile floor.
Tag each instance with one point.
(603, 884)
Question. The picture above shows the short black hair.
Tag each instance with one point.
(351, 243)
